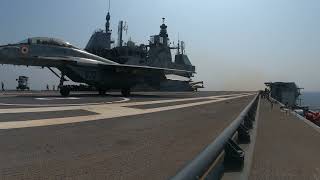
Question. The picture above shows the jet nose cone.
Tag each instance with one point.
(3, 53)
(8, 52)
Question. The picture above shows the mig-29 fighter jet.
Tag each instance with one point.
(81, 66)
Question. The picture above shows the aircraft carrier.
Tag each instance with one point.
(156, 135)
(151, 135)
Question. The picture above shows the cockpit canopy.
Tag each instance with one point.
(47, 41)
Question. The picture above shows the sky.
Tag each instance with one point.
(234, 44)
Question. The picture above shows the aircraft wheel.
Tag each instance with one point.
(64, 91)
(125, 92)
(102, 92)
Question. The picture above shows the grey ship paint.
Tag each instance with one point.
(157, 54)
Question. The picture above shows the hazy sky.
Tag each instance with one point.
(235, 44)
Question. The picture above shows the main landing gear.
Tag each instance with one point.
(125, 92)
(102, 92)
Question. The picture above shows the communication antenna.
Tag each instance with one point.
(125, 27)
(120, 30)
(178, 44)
(109, 6)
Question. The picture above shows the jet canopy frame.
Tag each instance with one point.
(47, 41)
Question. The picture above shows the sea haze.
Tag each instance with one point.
(311, 99)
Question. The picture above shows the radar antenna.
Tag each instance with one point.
(183, 46)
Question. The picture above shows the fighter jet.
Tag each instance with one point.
(81, 66)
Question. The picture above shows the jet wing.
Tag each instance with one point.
(154, 69)
(59, 61)
(73, 60)
(119, 67)
(46, 61)
(28, 55)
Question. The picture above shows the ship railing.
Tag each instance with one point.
(224, 153)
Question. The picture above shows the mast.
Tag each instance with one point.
(178, 49)
(120, 30)
(108, 20)
(108, 30)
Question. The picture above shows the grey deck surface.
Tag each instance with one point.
(286, 147)
(147, 146)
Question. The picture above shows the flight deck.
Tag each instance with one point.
(150, 135)
(87, 136)
(287, 147)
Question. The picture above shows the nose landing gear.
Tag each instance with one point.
(64, 91)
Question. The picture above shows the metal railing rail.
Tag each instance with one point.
(201, 163)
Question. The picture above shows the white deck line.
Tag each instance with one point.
(105, 112)
(105, 105)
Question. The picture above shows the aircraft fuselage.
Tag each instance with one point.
(81, 66)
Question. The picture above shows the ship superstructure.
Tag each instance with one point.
(156, 53)
(284, 92)
(101, 39)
